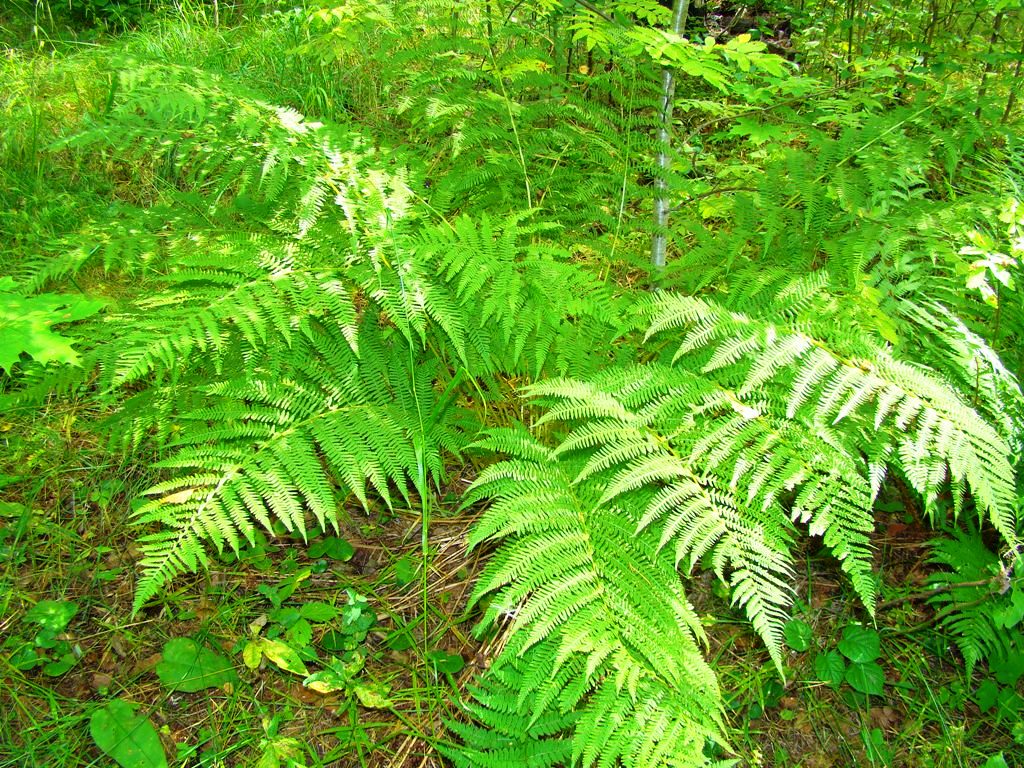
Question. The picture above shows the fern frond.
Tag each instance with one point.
(972, 590)
(275, 449)
(594, 608)
(714, 496)
(933, 425)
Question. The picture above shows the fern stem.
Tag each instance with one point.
(938, 616)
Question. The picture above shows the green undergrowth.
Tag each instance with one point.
(217, 665)
(928, 713)
(64, 542)
(345, 423)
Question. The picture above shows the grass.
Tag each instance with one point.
(65, 531)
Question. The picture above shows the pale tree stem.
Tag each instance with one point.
(659, 244)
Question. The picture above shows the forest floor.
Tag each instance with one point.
(64, 538)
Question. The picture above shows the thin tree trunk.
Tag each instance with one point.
(659, 243)
(1011, 100)
(989, 66)
(929, 34)
(851, 14)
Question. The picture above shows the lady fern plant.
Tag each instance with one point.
(742, 433)
(307, 330)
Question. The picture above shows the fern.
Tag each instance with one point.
(279, 356)
(265, 448)
(250, 158)
(977, 597)
(599, 624)
(535, 311)
(723, 470)
(505, 733)
(314, 309)
(757, 426)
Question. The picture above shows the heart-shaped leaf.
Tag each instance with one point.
(332, 547)
(59, 666)
(866, 678)
(446, 663)
(798, 635)
(860, 644)
(829, 668)
(986, 695)
(129, 739)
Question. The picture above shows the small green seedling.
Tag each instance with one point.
(294, 624)
(255, 556)
(357, 618)
(277, 595)
(288, 641)
(49, 648)
(276, 750)
(855, 662)
(875, 746)
(343, 675)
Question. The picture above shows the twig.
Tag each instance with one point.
(939, 615)
(594, 9)
(712, 193)
(917, 597)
